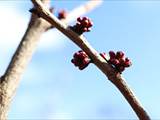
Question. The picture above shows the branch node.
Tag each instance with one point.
(35, 11)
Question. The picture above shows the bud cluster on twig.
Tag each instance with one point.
(82, 60)
(83, 24)
(117, 60)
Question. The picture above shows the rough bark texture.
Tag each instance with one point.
(10, 80)
(112, 75)
(21, 58)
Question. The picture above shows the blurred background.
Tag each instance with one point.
(52, 88)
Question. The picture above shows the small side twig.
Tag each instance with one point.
(112, 75)
(81, 10)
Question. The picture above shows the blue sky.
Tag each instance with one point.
(52, 87)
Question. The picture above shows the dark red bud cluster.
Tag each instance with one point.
(83, 24)
(81, 59)
(62, 14)
(119, 61)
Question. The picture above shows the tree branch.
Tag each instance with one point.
(10, 80)
(80, 41)
(81, 10)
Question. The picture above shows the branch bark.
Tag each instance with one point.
(11, 78)
(80, 41)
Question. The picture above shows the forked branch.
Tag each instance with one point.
(11, 78)
(80, 41)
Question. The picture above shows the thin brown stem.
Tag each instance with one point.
(112, 75)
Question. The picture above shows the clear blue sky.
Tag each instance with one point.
(53, 88)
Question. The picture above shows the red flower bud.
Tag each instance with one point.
(79, 19)
(127, 62)
(112, 54)
(83, 25)
(85, 18)
(119, 54)
(119, 61)
(62, 14)
(81, 59)
(90, 24)
(122, 61)
(114, 61)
